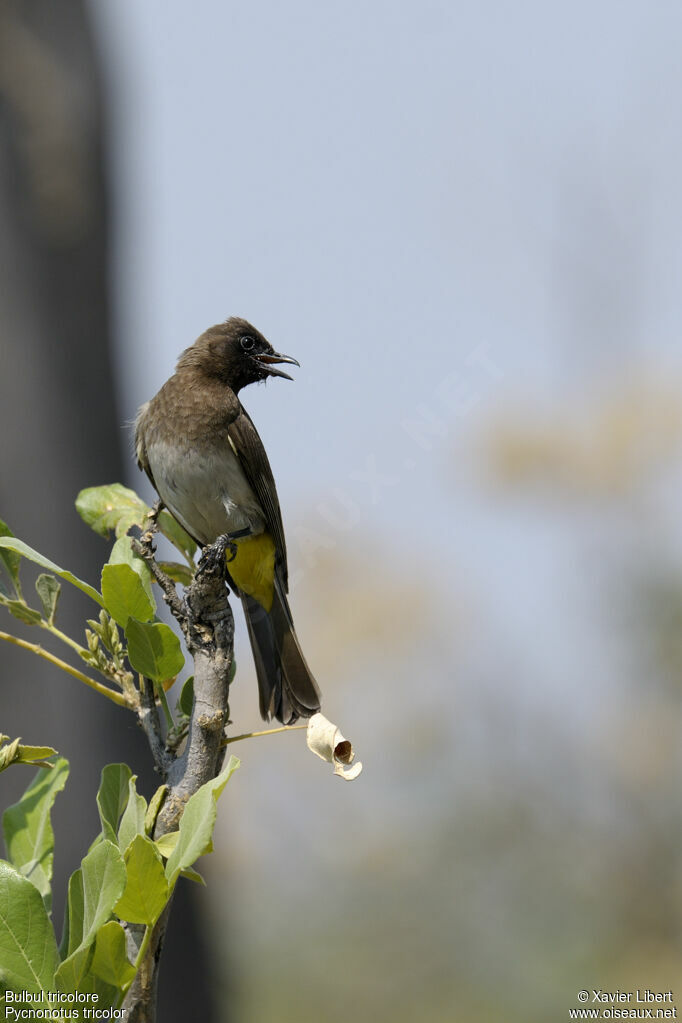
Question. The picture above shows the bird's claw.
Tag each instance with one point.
(215, 556)
(232, 548)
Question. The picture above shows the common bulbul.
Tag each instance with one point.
(198, 446)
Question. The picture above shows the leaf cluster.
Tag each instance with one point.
(126, 638)
(120, 891)
(127, 877)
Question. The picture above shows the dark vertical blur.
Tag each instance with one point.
(59, 429)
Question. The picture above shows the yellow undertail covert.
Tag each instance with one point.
(253, 568)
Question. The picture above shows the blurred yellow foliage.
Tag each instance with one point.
(605, 448)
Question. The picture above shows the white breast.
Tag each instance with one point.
(206, 491)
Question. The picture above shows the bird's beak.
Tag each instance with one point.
(271, 357)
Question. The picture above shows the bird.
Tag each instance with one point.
(204, 457)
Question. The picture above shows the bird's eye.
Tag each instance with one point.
(247, 343)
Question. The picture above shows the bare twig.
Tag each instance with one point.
(210, 636)
(144, 548)
(148, 716)
(110, 694)
(264, 731)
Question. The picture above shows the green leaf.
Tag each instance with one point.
(155, 804)
(122, 554)
(103, 879)
(197, 822)
(10, 560)
(154, 650)
(27, 828)
(111, 506)
(186, 701)
(193, 875)
(174, 532)
(166, 843)
(28, 950)
(48, 589)
(35, 754)
(23, 612)
(124, 594)
(110, 961)
(73, 917)
(132, 821)
(178, 573)
(73, 970)
(15, 753)
(8, 754)
(112, 797)
(147, 891)
(90, 983)
(11, 543)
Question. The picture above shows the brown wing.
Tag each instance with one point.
(249, 449)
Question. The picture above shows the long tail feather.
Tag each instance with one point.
(286, 686)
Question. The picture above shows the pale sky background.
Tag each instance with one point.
(412, 198)
(386, 190)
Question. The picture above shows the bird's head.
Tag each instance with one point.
(236, 353)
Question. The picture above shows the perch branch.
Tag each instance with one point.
(210, 635)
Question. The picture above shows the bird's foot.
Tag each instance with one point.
(229, 548)
(217, 555)
(212, 560)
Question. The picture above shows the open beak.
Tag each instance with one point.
(269, 358)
